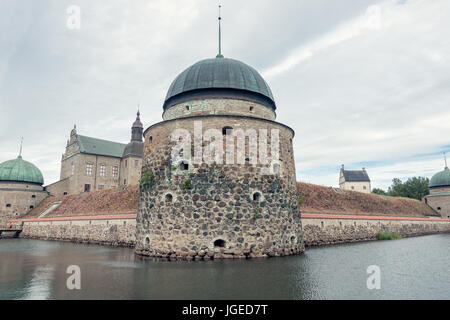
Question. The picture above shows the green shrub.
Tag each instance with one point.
(187, 184)
(147, 178)
(388, 236)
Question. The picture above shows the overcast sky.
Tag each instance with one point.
(362, 83)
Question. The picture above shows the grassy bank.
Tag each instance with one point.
(388, 236)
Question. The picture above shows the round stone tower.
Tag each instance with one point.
(218, 178)
(439, 197)
(20, 188)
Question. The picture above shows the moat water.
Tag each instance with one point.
(413, 268)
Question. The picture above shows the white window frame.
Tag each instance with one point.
(103, 170)
(89, 169)
(115, 172)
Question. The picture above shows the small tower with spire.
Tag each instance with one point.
(131, 163)
(137, 129)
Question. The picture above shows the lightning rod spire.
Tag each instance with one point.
(20, 152)
(220, 33)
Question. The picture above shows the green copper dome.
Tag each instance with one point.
(220, 77)
(441, 179)
(19, 170)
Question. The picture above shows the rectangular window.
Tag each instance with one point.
(126, 163)
(101, 187)
(115, 171)
(89, 168)
(136, 163)
(102, 170)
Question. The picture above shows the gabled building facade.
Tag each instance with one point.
(91, 164)
(354, 180)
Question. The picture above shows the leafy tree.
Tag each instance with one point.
(415, 188)
(379, 191)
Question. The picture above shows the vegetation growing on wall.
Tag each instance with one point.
(187, 184)
(147, 178)
(388, 236)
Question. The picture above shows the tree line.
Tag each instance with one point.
(414, 188)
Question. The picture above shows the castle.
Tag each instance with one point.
(217, 176)
(234, 203)
(91, 164)
(88, 164)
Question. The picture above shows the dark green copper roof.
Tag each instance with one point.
(220, 76)
(19, 170)
(100, 147)
(440, 179)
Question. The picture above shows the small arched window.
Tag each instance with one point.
(252, 109)
(184, 165)
(8, 205)
(257, 196)
(150, 140)
(169, 198)
(219, 243)
(227, 131)
(187, 108)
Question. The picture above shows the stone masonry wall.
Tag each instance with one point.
(111, 232)
(219, 106)
(16, 199)
(439, 200)
(316, 231)
(184, 223)
(324, 231)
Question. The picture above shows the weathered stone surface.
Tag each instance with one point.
(218, 205)
(319, 232)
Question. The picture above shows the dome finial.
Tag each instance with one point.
(20, 152)
(445, 159)
(220, 34)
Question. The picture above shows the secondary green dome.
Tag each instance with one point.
(219, 77)
(441, 179)
(19, 170)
